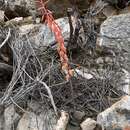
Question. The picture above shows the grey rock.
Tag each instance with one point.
(78, 115)
(90, 124)
(11, 118)
(34, 106)
(46, 120)
(117, 116)
(1, 16)
(57, 7)
(41, 35)
(84, 72)
(126, 82)
(27, 4)
(108, 60)
(25, 8)
(114, 33)
(100, 60)
(1, 4)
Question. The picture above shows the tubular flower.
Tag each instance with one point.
(48, 18)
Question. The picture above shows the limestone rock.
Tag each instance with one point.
(34, 106)
(117, 116)
(43, 121)
(109, 11)
(78, 115)
(1, 15)
(126, 78)
(114, 35)
(11, 118)
(115, 32)
(41, 35)
(90, 124)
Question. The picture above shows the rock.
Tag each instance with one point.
(37, 118)
(100, 60)
(41, 35)
(118, 3)
(126, 84)
(90, 124)
(125, 10)
(115, 32)
(108, 60)
(83, 72)
(62, 121)
(1, 16)
(24, 8)
(78, 115)
(117, 116)
(15, 21)
(34, 106)
(21, 8)
(11, 118)
(109, 11)
(43, 121)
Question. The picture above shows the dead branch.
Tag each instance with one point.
(4, 42)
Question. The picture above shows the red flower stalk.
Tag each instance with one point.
(48, 18)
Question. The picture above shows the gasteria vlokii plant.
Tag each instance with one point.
(49, 20)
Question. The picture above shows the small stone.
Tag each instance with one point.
(125, 10)
(34, 106)
(109, 11)
(15, 21)
(38, 20)
(43, 121)
(114, 34)
(11, 118)
(41, 35)
(108, 60)
(99, 60)
(78, 115)
(1, 15)
(88, 124)
(84, 73)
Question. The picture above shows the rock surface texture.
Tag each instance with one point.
(115, 35)
(117, 117)
(41, 35)
(90, 124)
(115, 32)
(32, 121)
(11, 118)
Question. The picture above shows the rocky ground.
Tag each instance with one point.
(34, 94)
